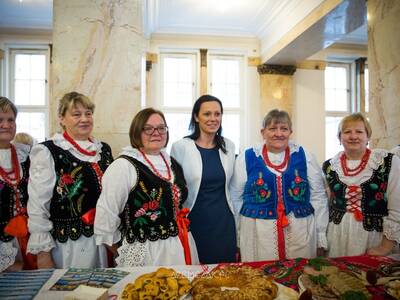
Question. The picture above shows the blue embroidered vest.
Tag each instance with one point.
(149, 213)
(374, 195)
(7, 200)
(260, 196)
(76, 192)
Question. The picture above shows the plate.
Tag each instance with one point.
(392, 288)
(316, 295)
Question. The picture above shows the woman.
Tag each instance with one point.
(64, 185)
(208, 159)
(396, 150)
(139, 209)
(284, 207)
(14, 166)
(364, 214)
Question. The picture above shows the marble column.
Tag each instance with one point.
(276, 87)
(98, 47)
(384, 71)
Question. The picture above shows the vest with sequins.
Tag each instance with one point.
(149, 213)
(76, 191)
(260, 196)
(7, 200)
(374, 195)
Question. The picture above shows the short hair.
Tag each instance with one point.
(138, 122)
(355, 117)
(23, 138)
(6, 105)
(277, 116)
(72, 99)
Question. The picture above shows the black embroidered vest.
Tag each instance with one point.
(76, 191)
(374, 196)
(7, 200)
(149, 213)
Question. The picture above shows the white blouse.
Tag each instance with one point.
(340, 235)
(9, 251)
(40, 188)
(118, 181)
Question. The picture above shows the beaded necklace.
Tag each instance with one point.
(168, 178)
(13, 182)
(76, 145)
(357, 170)
(280, 167)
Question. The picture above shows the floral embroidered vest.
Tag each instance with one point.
(75, 193)
(260, 196)
(374, 196)
(7, 200)
(149, 213)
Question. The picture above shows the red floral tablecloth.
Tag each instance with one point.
(288, 271)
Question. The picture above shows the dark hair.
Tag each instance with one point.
(138, 122)
(6, 105)
(195, 128)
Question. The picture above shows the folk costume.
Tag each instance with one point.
(140, 207)
(208, 173)
(365, 201)
(14, 174)
(396, 150)
(282, 201)
(64, 186)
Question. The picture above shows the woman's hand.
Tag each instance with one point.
(113, 249)
(383, 249)
(15, 267)
(45, 261)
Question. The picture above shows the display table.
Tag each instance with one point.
(285, 272)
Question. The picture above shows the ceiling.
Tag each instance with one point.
(236, 18)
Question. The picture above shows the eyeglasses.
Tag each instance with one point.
(149, 130)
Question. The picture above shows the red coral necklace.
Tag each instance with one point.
(279, 167)
(17, 176)
(357, 170)
(76, 145)
(168, 178)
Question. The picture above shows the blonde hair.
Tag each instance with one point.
(6, 105)
(356, 117)
(72, 99)
(23, 138)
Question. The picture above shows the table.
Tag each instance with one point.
(285, 272)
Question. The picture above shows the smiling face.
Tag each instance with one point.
(209, 117)
(154, 142)
(7, 128)
(354, 138)
(276, 136)
(78, 122)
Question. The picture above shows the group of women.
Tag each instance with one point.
(201, 204)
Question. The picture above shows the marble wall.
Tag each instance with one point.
(97, 50)
(384, 71)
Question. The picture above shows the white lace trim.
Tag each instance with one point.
(135, 153)
(375, 160)
(61, 142)
(131, 255)
(391, 230)
(7, 255)
(39, 248)
(292, 146)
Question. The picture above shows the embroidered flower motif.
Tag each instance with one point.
(378, 196)
(69, 186)
(140, 212)
(260, 189)
(153, 205)
(67, 179)
(153, 217)
(298, 187)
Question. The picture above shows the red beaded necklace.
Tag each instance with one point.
(168, 178)
(17, 176)
(280, 167)
(76, 146)
(357, 170)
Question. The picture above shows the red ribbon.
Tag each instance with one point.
(282, 221)
(183, 222)
(88, 217)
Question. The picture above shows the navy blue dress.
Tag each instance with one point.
(211, 221)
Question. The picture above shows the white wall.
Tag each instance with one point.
(309, 111)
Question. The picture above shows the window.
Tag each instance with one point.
(225, 84)
(178, 92)
(337, 104)
(28, 90)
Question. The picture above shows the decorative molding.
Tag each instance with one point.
(1, 54)
(253, 61)
(276, 69)
(203, 58)
(311, 65)
(152, 57)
